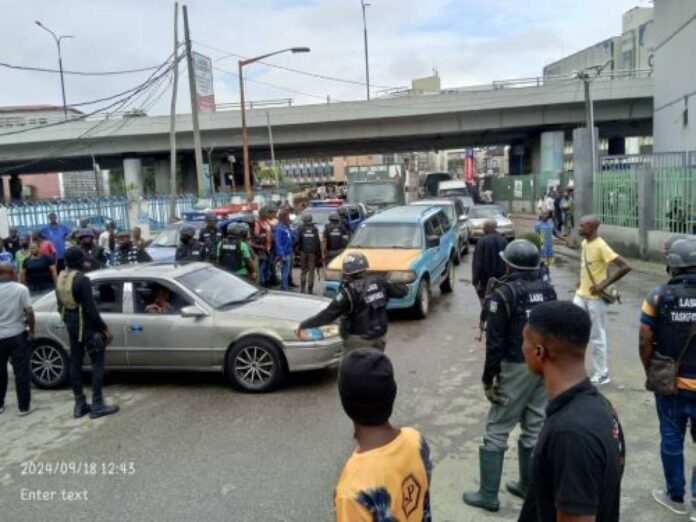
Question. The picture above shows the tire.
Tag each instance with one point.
(49, 365)
(255, 365)
(421, 307)
(447, 286)
(457, 255)
(466, 247)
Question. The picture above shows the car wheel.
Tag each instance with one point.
(421, 307)
(466, 247)
(457, 255)
(49, 365)
(447, 286)
(255, 365)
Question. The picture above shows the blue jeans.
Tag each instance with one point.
(285, 272)
(264, 270)
(674, 412)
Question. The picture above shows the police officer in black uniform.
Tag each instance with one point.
(87, 331)
(127, 252)
(308, 243)
(335, 237)
(234, 254)
(343, 214)
(210, 235)
(95, 257)
(189, 249)
(668, 332)
(361, 302)
(516, 394)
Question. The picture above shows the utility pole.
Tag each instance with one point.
(209, 151)
(60, 62)
(367, 62)
(198, 153)
(270, 140)
(172, 119)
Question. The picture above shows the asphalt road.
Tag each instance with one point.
(186, 447)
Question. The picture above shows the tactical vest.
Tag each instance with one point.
(230, 255)
(334, 237)
(65, 297)
(189, 252)
(209, 237)
(519, 296)
(676, 312)
(127, 257)
(308, 239)
(368, 317)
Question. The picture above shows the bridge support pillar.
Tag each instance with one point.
(551, 147)
(617, 146)
(133, 176)
(162, 176)
(190, 183)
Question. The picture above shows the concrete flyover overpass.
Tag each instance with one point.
(504, 112)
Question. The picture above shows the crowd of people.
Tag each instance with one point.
(571, 451)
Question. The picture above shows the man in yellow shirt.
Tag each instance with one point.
(387, 478)
(595, 259)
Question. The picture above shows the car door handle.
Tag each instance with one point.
(136, 328)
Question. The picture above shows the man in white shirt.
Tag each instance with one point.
(16, 330)
(105, 239)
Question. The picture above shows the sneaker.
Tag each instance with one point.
(24, 413)
(599, 380)
(662, 498)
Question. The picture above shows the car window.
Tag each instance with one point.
(152, 297)
(108, 296)
(433, 227)
(219, 288)
(354, 214)
(445, 221)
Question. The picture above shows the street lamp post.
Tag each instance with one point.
(367, 63)
(60, 61)
(245, 135)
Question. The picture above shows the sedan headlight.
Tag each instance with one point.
(333, 275)
(317, 334)
(402, 276)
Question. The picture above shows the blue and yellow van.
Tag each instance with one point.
(414, 245)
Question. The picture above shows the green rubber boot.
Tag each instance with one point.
(519, 487)
(491, 468)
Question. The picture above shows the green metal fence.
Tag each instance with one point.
(29, 216)
(615, 195)
(675, 192)
(524, 189)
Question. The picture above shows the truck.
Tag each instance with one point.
(376, 187)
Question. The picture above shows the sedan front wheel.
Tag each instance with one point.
(49, 365)
(255, 365)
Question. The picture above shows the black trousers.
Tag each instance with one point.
(16, 349)
(77, 355)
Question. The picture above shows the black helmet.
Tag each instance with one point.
(187, 231)
(682, 254)
(248, 218)
(244, 230)
(668, 244)
(521, 255)
(236, 229)
(341, 211)
(307, 218)
(334, 217)
(354, 263)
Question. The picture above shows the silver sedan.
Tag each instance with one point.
(191, 317)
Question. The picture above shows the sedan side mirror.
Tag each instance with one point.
(193, 311)
(463, 218)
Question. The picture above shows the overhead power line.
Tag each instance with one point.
(290, 69)
(267, 84)
(78, 73)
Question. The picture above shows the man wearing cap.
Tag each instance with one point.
(387, 478)
(189, 249)
(56, 233)
(516, 395)
(127, 253)
(95, 258)
(87, 331)
(335, 237)
(309, 245)
(361, 304)
(210, 235)
(668, 334)
(16, 329)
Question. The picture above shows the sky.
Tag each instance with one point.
(468, 42)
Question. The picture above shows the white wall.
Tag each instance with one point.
(675, 76)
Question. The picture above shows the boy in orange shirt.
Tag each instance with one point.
(387, 478)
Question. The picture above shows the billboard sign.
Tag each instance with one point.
(205, 95)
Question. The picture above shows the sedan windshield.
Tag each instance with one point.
(218, 288)
(169, 237)
(486, 212)
(387, 235)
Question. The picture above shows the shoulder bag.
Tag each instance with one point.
(610, 294)
(663, 370)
